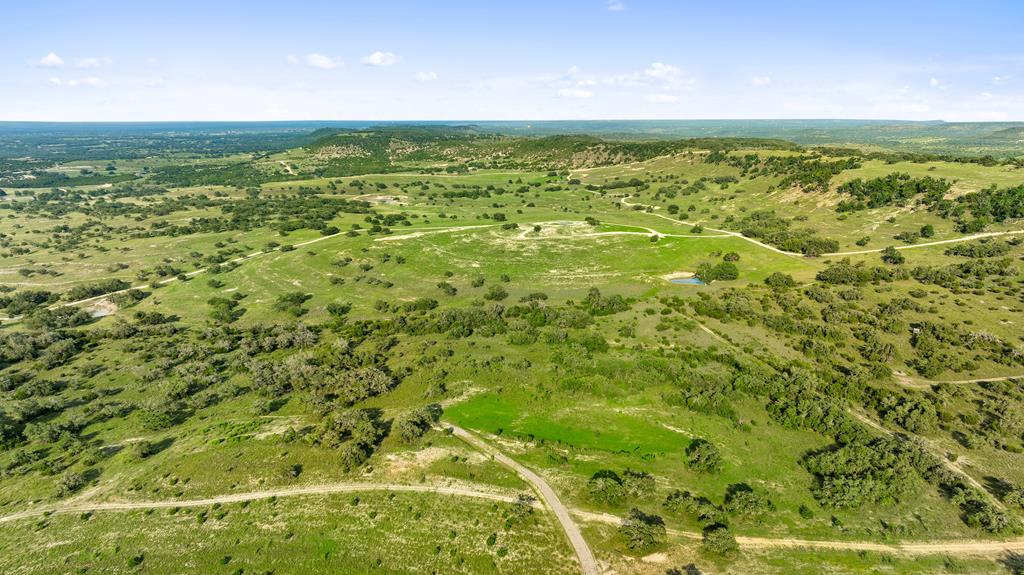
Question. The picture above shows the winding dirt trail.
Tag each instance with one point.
(327, 489)
(722, 233)
(287, 167)
(623, 201)
(954, 547)
(921, 383)
(927, 244)
(588, 564)
(420, 234)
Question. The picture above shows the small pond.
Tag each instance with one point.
(691, 281)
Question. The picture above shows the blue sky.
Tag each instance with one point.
(480, 60)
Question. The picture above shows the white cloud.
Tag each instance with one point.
(662, 71)
(320, 61)
(89, 81)
(614, 5)
(50, 60)
(92, 62)
(937, 83)
(381, 59)
(1000, 80)
(426, 76)
(574, 94)
(761, 80)
(662, 98)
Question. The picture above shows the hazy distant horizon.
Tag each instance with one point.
(114, 60)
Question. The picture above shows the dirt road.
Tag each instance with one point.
(919, 383)
(927, 244)
(327, 489)
(969, 547)
(588, 564)
(719, 231)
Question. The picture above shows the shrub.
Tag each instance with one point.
(414, 425)
(703, 457)
(605, 486)
(638, 483)
(719, 540)
(292, 303)
(642, 531)
(740, 499)
(495, 293)
(70, 482)
(142, 449)
(891, 255)
(780, 281)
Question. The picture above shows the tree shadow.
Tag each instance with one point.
(1014, 562)
(997, 486)
(690, 569)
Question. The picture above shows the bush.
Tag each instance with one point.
(706, 512)
(638, 483)
(142, 449)
(703, 457)
(352, 455)
(605, 486)
(161, 414)
(725, 271)
(292, 303)
(740, 499)
(495, 293)
(876, 471)
(70, 482)
(719, 540)
(414, 425)
(891, 255)
(599, 305)
(642, 531)
(780, 281)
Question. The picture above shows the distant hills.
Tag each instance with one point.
(63, 140)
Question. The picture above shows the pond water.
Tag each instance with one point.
(687, 281)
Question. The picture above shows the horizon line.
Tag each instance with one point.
(457, 121)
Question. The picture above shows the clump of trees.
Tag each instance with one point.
(703, 456)
(642, 531)
(719, 540)
(881, 470)
(894, 189)
(780, 281)
(417, 423)
(710, 272)
(766, 226)
(599, 305)
(605, 486)
(291, 303)
(741, 499)
(354, 432)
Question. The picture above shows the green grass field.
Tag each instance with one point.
(466, 281)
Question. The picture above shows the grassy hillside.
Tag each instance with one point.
(738, 354)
